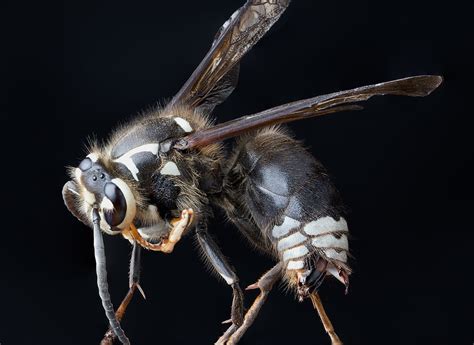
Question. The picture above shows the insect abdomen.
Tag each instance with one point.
(295, 206)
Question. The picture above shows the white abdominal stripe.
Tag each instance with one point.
(291, 243)
(325, 225)
(296, 242)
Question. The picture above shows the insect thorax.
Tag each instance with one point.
(162, 180)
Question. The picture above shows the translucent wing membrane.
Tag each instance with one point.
(233, 40)
(417, 86)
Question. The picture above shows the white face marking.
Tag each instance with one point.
(78, 174)
(295, 265)
(170, 168)
(332, 254)
(130, 201)
(94, 157)
(106, 204)
(295, 252)
(126, 158)
(291, 241)
(324, 225)
(288, 224)
(104, 225)
(329, 241)
(88, 197)
(184, 124)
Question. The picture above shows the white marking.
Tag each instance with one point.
(170, 168)
(73, 191)
(88, 196)
(329, 241)
(130, 201)
(78, 175)
(294, 253)
(291, 241)
(184, 124)
(104, 225)
(295, 265)
(333, 254)
(106, 204)
(94, 157)
(126, 158)
(228, 280)
(331, 269)
(288, 224)
(153, 209)
(324, 225)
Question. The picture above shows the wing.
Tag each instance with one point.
(216, 76)
(418, 86)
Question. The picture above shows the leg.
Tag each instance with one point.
(166, 245)
(265, 284)
(218, 261)
(134, 284)
(318, 305)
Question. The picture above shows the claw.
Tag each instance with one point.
(227, 321)
(252, 286)
(141, 291)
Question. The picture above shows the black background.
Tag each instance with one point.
(403, 165)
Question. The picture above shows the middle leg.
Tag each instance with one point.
(220, 264)
(265, 284)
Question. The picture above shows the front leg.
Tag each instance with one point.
(178, 226)
(219, 263)
(134, 284)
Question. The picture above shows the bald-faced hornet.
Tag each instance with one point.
(159, 177)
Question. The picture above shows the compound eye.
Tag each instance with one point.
(86, 164)
(115, 215)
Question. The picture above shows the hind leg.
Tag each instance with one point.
(294, 207)
(318, 305)
(265, 284)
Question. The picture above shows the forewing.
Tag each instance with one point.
(417, 86)
(216, 76)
